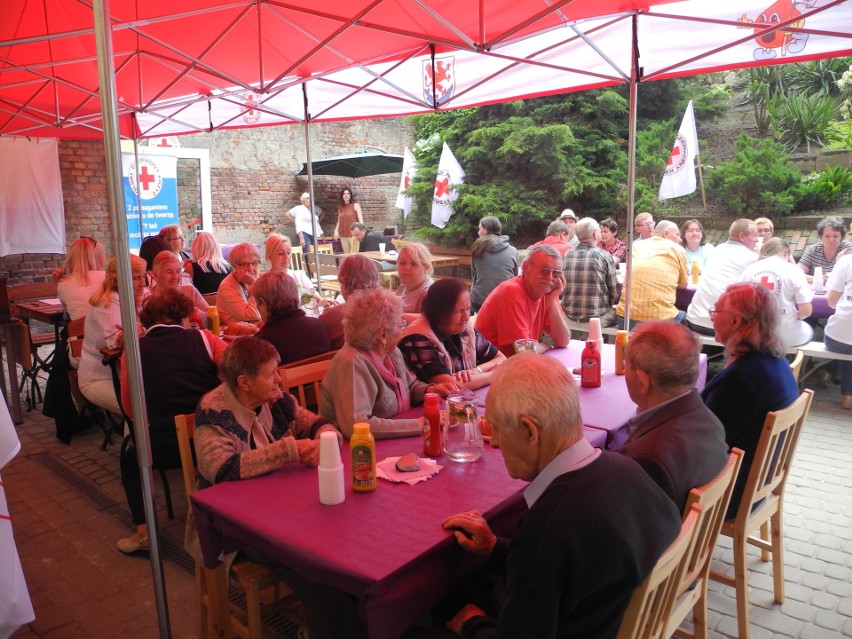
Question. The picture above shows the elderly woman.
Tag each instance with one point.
(756, 378)
(694, 242)
(348, 212)
(247, 426)
(178, 367)
(414, 266)
(610, 242)
(103, 329)
(237, 306)
(356, 273)
(81, 275)
(285, 325)
(442, 346)
(838, 330)
(209, 268)
(173, 234)
(367, 380)
(168, 275)
(492, 260)
(830, 247)
(789, 287)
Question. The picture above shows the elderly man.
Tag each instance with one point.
(356, 273)
(591, 288)
(301, 215)
(573, 563)
(368, 240)
(527, 306)
(677, 440)
(724, 266)
(643, 224)
(659, 269)
(557, 237)
(570, 219)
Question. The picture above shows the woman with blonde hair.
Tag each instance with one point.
(367, 380)
(415, 269)
(756, 378)
(103, 328)
(278, 249)
(208, 268)
(82, 274)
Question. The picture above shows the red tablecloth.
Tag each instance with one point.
(386, 547)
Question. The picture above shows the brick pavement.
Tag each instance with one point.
(83, 587)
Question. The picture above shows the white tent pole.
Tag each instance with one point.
(631, 167)
(121, 251)
(311, 184)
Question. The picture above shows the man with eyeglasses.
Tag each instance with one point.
(644, 226)
(527, 306)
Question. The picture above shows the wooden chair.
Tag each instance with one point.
(297, 262)
(322, 248)
(32, 363)
(211, 584)
(647, 614)
(762, 504)
(328, 267)
(210, 298)
(305, 379)
(796, 364)
(691, 594)
(310, 360)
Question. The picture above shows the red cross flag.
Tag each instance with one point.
(679, 178)
(409, 168)
(450, 174)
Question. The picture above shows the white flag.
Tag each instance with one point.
(409, 168)
(449, 173)
(679, 178)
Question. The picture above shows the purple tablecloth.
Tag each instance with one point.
(386, 547)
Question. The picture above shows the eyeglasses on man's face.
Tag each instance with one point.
(549, 272)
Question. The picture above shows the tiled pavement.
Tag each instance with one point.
(68, 509)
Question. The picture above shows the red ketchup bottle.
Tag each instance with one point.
(590, 369)
(432, 426)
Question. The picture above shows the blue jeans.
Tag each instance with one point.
(845, 367)
(309, 240)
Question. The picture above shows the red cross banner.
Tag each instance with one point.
(679, 178)
(150, 195)
(450, 174)
(409, 168)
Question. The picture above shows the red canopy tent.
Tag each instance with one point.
(78, 69)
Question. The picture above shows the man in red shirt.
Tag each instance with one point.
(527, 306)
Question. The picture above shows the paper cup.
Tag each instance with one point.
(382, 246)
(329, 450)
(595, 329)
(331, 486)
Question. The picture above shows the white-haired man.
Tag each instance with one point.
(301, 217)
(677, 440)
(527, 306)
(573, 563)
(591, 287)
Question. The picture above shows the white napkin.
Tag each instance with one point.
(386, 469)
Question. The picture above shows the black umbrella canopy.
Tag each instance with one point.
(356, 165)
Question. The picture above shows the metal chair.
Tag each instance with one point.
(762, 504)
(648, 611)
(691, 595)
(211, 584)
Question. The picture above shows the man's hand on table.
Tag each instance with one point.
(468, 612)
(472, 532)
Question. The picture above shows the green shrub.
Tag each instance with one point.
(819, 190)
(758, 179)
(802, 119)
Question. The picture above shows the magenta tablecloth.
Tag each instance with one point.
(684, 296)
(386, 547)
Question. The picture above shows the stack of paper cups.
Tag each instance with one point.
(818, 279)
(331, 485)
(595, 334)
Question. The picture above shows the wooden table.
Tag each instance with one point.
(49, 311)
(387, 547)
(438, 261)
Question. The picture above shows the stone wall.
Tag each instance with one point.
(253, 176)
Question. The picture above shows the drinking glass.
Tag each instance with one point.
(525, 345)
(462, 436)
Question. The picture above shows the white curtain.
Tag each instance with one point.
(32, 217)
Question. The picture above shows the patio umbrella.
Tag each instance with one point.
(356, 165)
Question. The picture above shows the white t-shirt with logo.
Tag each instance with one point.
(791, 288)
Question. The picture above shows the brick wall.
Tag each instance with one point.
(253, 176)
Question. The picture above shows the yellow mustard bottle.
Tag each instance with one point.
(213, 320)
(362, 447)
(620, 345)
(695, 271)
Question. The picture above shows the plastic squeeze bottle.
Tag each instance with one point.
(695, 272)
(362, 447)
(590, 370)
(432, 426)
(213, 320)
(621, 338)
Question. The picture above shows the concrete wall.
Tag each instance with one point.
(253, 184)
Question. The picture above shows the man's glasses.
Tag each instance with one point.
(552, 272)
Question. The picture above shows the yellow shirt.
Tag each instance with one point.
(659, 268)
